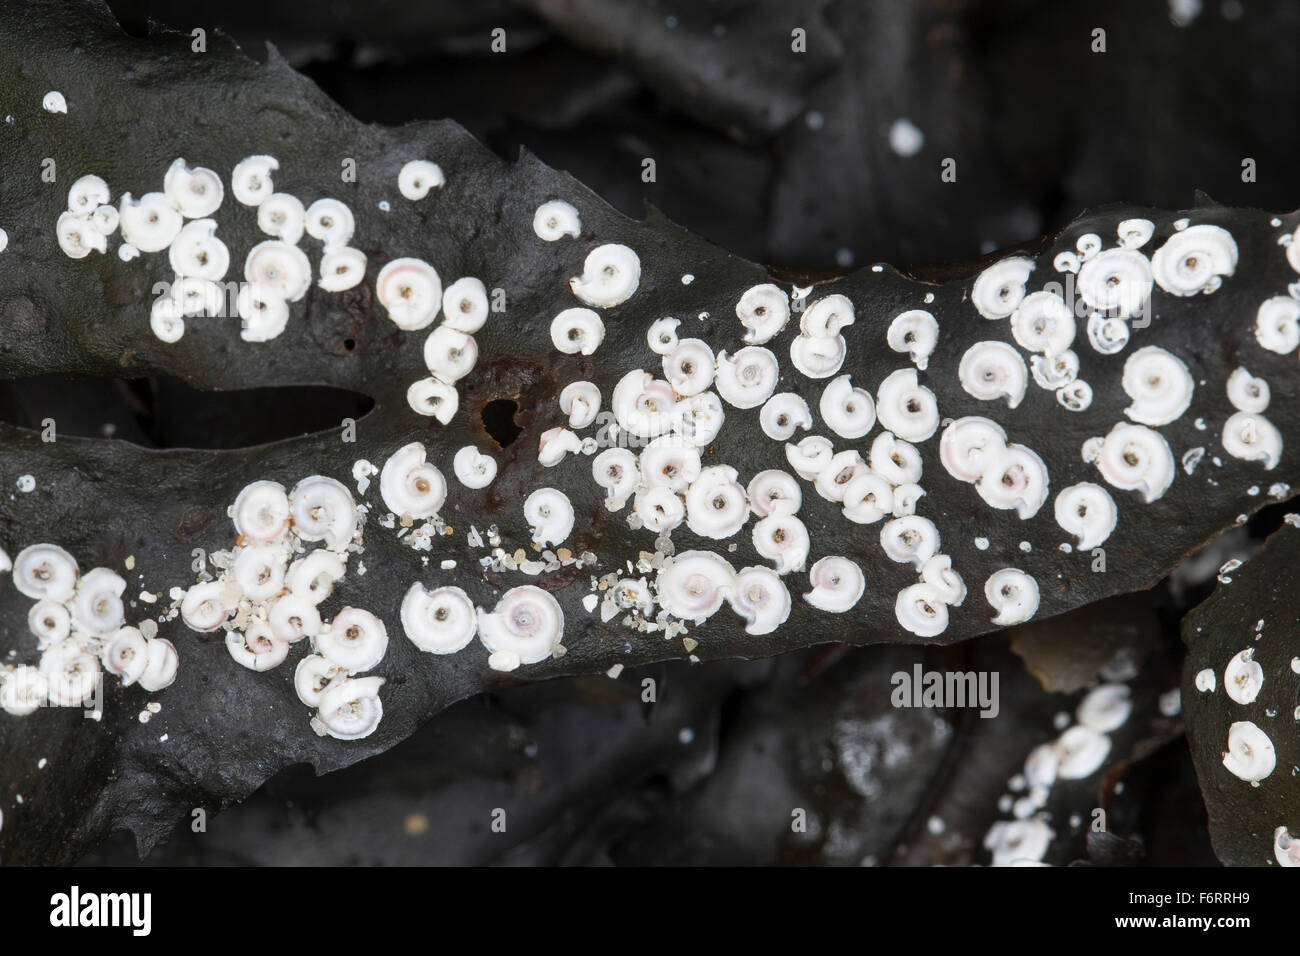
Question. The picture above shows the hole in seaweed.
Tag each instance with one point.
(499, 420)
